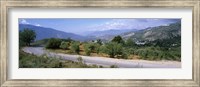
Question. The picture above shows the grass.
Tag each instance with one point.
(31, 61)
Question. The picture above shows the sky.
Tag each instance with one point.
(81, 25)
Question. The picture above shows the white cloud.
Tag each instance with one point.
(115, 24)
(23, 21)
(129, 24)
(37, 25)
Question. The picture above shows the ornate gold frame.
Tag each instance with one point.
(6, 4)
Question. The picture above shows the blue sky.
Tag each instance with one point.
(81, 25)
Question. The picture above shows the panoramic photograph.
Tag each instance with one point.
(99, 42)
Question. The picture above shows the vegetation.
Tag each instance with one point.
(53, 43)
(165, 49)
(26, 37)
(31, 61)
(118, 39)
(75, 47)
(64, 45)
(113, 49)
(130, 42)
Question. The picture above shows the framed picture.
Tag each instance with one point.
(100, 43)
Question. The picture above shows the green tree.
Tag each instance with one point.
(75, 47)
(113, 49)
(53, 43)
(118, 39)
(27, 36)
(125, 53)
(87, 49)
(129, 42)
(97, 48)
(64, 45)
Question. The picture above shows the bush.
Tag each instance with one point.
(158, 53)
(31, 61)
(64, 45)
(91, 47)
(130, 42)
(75, 47)
(125, 54)
(87, 49)
(53, 43)
(113, 49)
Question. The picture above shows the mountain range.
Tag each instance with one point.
(155, 33)
(43, 33)
(148, 34)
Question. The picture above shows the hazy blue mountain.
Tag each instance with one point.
(155, 33)
(43, 32)
(109, 32)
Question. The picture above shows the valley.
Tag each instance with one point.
(109, 48)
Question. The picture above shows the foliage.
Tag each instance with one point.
(130, 42)
(160, 49)
(75, 47)
(53, 43)
(112, 49)
(118, 39)
(87, 49)
(31, 61)
(26, 37)
(21, 44)
(91, 47)
(158, 53)
(64, 45)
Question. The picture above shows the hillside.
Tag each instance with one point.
(43, 33)
(107, 34)
(155, 33)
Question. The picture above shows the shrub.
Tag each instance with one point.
(75, 47)
(125, 54)
(64, 45)
(113, 49)
(130, 42)
(31, 61)
(53, 43)
(87, 49)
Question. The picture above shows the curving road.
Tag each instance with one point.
(106, 62)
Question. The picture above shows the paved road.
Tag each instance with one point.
(106, 62)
